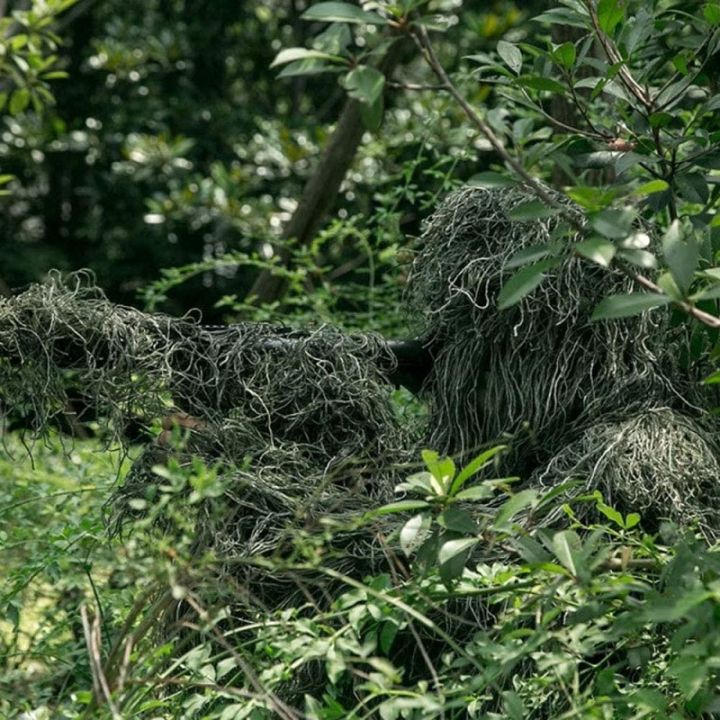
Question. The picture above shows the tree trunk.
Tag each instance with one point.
(322, 188)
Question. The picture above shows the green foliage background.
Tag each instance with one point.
(168, 161)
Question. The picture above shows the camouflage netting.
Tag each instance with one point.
(301, 423)
(608, 403)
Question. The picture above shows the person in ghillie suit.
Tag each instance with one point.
(302, 423)
(614, 404)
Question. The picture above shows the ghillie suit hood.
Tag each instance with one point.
(615, 404)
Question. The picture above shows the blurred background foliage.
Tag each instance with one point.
(172, 143)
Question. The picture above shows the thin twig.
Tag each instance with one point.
(101, 687)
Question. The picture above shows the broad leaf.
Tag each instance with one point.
(620, 306)
(614, 223)
(711, 13)
(415, 532)
(341, 12)
(537, 82)
(19, 100)
(610, 13)
(398, 507)
(452, 557)
(682, 255)
(568, 550)
(490, 179)
(522, 500)
(372, 115)
(364, 83)
(597, 249)
(532, 254)
(442, 469)
(475, 493)
(297, 53)
(649, 188)
(458, 520)
(475, 466)
(523, 282)
(641, 258)
(531, 210)
(565, 54)
(610, 513)
(511, 55)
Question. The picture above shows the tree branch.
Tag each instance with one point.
(422, 39)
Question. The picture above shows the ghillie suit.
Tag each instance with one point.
(614, 404)
(301, 425)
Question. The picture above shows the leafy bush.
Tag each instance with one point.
(489, 602)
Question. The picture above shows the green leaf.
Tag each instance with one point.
(610, 13)
(414, 532)
(681, 256)
(649, 188)
(610, 513)
(475, 466)
(307, 67)
(691, 674)
(372, 115)
(562, 16)
(19, 100)
(620, 306)
(511, 55)
(713, 379)
(477, 492)
(631, 520)
(458, 520)
(693, 187)
(335, 39)
(597, 249)
(513, 705)
(517, 503)
(397, 507)
(452, 557)
(523, 282)
(592, 198)
(565, 54)
(532, 254)
(668, 285)
(490, 180)
(537, 82)
(641, 258)
(568, 550)
(531, 210)
(297, 53)
(420, 482)
(660, 120)
(442, 469)
(711, 13)
(614, 223)
(531, 550)
(341, 12)
(452, 548)
(388, 632)
(364, 83)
